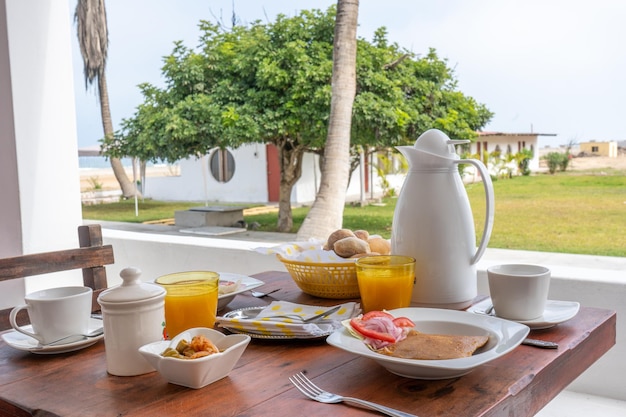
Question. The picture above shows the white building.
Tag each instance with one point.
(599, 148)
(251, 174)
(507, 144)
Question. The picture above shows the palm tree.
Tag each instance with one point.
(326, 214)
(93, 38)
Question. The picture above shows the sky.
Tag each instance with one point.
(553, 67)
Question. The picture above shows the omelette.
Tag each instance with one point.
(434, 346)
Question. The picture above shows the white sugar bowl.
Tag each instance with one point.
(133, 315)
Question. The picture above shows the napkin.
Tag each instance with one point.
(310, 251)
(266, 322)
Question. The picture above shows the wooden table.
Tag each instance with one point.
(517, 384)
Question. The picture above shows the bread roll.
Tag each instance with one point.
(350, 246)
(360, 255)
(362, 234)
(337, 235)
(380, 245)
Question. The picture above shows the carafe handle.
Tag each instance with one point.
(490, 206)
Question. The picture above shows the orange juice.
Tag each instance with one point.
(385, 282)
(190, 300)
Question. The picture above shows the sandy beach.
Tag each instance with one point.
(106, 179)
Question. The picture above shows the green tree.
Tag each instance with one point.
(271, 83)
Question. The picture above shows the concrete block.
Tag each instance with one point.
(209, 216)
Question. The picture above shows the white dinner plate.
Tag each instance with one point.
(247, 283)
(504, 336)
(21, 341)
(555, 312)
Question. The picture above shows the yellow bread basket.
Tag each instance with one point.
(325, 280)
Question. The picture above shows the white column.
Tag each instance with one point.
(39, 177)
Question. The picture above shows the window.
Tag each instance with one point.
(595, 149)
(222, 165)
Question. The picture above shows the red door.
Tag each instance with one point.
(273, 173)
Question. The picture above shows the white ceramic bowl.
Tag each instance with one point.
(197, 373)
(504, 336)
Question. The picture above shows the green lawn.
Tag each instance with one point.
(580, 213)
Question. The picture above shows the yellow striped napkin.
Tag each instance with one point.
(266, 323)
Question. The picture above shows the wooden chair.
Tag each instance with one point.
(91, 257)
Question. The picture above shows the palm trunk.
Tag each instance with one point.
(128, 188)
(326, 214)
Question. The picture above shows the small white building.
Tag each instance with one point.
(251, 174)
(508, 144)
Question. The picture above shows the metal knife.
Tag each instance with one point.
(540, 343)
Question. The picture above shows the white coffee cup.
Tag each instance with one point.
(518, 292)
(55, 313)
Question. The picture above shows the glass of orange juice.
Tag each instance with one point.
(385, 281)
(190, 300)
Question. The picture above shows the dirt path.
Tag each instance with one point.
(584, 163)
(597, 162)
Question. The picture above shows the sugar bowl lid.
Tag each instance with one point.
(132, 289)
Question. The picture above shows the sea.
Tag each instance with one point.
(98, 162)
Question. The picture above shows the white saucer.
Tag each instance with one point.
(21, 341)
(555, 312)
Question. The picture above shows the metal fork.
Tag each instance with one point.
(308, 388)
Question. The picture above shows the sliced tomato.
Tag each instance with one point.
(403, 322)
(376, 313)
(357, 325)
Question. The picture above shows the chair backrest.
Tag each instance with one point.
(91, 257)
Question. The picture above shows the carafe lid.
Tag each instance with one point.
(132, 289)
(436, 142)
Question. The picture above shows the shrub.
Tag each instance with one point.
(556, 160)
(95, 183)
(523, 158)
(564, 161)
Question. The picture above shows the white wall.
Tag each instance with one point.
(248, 185)
(10, 221)
(306, 188)
(38, 96)
(156, 255)
(504, 140)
